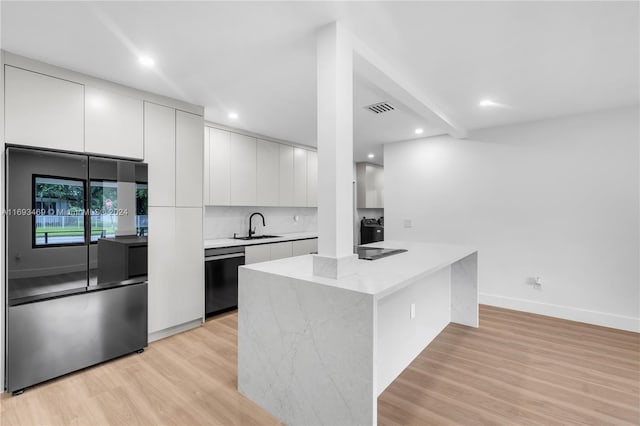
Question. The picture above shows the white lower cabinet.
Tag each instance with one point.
(301, 247)
(281, 250)
(265, 252)
(176, 276)
(256, 254)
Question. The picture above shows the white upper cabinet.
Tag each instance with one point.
(370, 185)
(159, 153)
(43, 111)
(312, 179)
(286, 176)
(189, 151)
(113, 124)
(268, 173)
(243, 170)
(299, 177)
(219, 167)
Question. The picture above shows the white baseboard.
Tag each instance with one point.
(180, 328)
(620, 322)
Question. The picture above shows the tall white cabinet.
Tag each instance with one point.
(240, 170)
(174, 150)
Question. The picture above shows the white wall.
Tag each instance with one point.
(559, 199)
(222, 222)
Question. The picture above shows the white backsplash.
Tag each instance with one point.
(222, 222)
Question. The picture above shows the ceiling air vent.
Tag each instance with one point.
(380, 107)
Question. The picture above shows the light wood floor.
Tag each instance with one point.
(516, 368)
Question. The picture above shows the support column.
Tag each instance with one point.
(335, 152)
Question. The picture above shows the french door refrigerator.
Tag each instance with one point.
(76, 266)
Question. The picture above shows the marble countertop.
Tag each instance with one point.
(230, 242)
(378, 277)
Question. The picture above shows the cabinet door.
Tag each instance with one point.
(159, 152)
(375, 186)
(280, 250)
(113, 124)
(257, 254)
(243, 170)
(286, 176)
(188, 295)
(176, 267)
(268, 173)
(220, 171)
(43, 111)
(299, 177)
(161, 267)
(189, 150)
(312, 179)
(302, 247)
(206, 170)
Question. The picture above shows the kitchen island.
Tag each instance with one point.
(313, 350)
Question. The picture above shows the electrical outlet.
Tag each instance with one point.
(413, 310)
(408, 223)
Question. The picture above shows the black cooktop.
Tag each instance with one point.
(375, 253)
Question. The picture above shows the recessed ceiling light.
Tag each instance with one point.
(487, 103)
(370, 155)
(419, 131)
(146, 61)
(233, 115)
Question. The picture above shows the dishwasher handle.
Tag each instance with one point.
(223, 256)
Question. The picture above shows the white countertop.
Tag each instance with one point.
(376, 277)
(230, 242)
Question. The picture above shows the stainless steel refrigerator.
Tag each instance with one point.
(76, 267)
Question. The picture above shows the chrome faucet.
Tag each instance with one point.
(252, 231)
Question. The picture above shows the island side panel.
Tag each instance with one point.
(464, 291)
(402, 338)
(306, 350)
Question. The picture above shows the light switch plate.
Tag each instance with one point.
(408, 223)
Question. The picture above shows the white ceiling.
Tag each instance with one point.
(539, 59)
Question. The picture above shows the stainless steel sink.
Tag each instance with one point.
(256, 237)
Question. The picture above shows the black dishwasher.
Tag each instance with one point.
(221, 278)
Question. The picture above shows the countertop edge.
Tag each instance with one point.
(228, 242)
